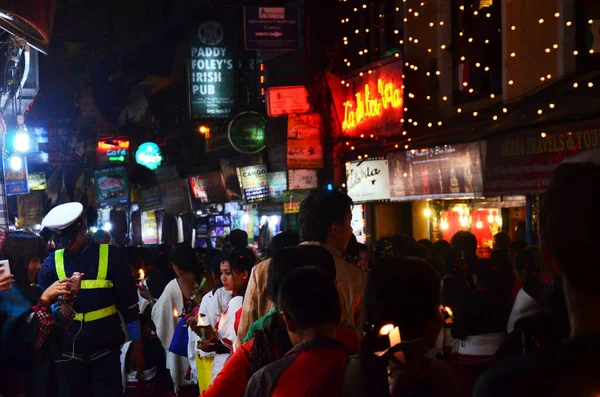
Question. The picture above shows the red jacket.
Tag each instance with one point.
(314, 368)
(234, 377)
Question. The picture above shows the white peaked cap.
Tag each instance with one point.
(63, 216)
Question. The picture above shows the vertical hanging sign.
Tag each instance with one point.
(212, 72)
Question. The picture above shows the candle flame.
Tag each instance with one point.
(201, 322)
(386, 329)
(142, 274)
(448, 310)
(175, 313)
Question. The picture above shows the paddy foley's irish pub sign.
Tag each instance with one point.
(374, 100)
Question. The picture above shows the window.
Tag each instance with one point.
(476, 50)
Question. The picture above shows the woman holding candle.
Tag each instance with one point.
(167, 310)
(235, 270)
(32, 326)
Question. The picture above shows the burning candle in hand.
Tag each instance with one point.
(175, 313)
(142, 275)
(392, 332)
(201, 324)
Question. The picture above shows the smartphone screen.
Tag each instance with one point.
(6, 266)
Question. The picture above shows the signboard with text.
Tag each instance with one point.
(271, 28)
(449, 171)
(368, 180)
(287, 100)
(110, 151)
(304, 144)
(302, 179)
(36, 180)
(209, 187)
(372, 102)
(523, 163)
(31, 208)
(111, 186)
(16, 181)
(255, 183)
(212, 68)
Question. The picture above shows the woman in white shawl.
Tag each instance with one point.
(169, 306)
(235, 270)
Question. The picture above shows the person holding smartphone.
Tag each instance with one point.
(6, 280)
(32, 324)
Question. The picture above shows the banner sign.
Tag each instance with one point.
(16, 181)
(277, 185)
(304, 144)
(31, 208)
(271, 28)
(208, 187)
(368, 180)
(212, 72)
(111, 151)
(287, 100)
(36, 181)
(523, 163)
(373, 102)
(449, 171)
(247, 132)
(255, 183)
(302, 179)
(111, 186)
(149, 155)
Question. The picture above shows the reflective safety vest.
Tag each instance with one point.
(99, 282)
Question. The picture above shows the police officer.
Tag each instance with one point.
(90, 351)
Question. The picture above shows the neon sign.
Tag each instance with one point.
(374, 101)
(369, 104)
(149, 155)
(112, 151)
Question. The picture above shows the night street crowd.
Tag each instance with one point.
(313, 314)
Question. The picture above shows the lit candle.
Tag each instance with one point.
(201, 324)
(392, 332)
(175, 313)
(142, 275)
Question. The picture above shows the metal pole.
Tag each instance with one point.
(3, 203)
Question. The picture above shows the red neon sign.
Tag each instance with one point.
(112, 151)
(374, 102)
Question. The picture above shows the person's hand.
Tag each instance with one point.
(6, 281)
(405, 371)
(145, 292)
(206, 346)
(60, 287)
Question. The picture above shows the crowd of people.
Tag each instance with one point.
(320, 315)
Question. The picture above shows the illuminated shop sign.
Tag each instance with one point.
(149, 155)
(112, 151)
(374, 101)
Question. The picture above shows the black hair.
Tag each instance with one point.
(413, 249)
(404, 292)
(240, 260)
(319, 210)
(426, 243)
(184, 257)
(310, 297)
(362, 248)
(287, 238)
(291, 258)
(569, 221)
(19, 248)
(281, 265)
(238, 239)
(102, 237)
(502, 240)
(352, 248)
(489, 275)
(466, 241)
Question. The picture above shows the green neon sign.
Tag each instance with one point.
(149, 155)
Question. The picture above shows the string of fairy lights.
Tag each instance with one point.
(416, 12)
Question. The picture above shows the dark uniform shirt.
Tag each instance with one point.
(104, 333)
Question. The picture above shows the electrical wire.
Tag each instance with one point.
(74, 337)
